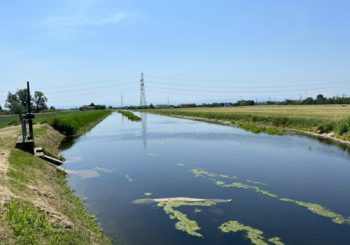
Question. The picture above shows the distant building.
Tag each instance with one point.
(163, 106)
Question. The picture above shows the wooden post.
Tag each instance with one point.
(30, 116)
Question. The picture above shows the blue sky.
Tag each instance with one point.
(82, 51)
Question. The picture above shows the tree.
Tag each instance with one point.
(13, 103)
(320, 99)
(39, 101)
(308, 101)
(23, 97)
(18, 102)
(320, 96)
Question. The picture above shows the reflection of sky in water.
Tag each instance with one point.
(85, 173)
(293, 166)
(74, 159)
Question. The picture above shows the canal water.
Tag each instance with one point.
(119, 161)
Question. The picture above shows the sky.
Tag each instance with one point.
(190, 51)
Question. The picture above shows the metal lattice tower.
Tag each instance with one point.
(142, 92)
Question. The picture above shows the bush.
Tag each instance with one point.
(279, 121)
(325, 128)
(344, 127)
(73, 123)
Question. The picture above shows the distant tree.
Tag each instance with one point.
(320, 99)
(99, 107)
(39, 101)
(13, 103)
(92, 104)
(52, 108)
(308, 101)
(151, 106)
(320, 96)
(1, 108)
(245, 103)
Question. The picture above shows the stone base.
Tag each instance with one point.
(27, 145)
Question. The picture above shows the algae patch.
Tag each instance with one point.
(313, 207)
(254, 235)
(183, 223)
(319, 210)
(202, 173)
(147, 194)
(275, 240)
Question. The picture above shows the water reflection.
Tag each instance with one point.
(157, 155)
(144, 130)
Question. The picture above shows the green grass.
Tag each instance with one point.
(9, 120)
(43, 209)
(30, 225)
(131, 116)
(74, 123)
(274, 119)
(70, 123)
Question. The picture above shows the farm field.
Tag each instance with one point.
(320, 119)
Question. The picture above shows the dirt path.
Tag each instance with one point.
(8, 138)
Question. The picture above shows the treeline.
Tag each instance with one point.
(319, 100)
(92, 106)
(17, 103)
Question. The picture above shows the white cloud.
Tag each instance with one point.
(82, 18)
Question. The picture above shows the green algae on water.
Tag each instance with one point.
(254, 235)
(183, 223)
(314, 208)
(180, 165)
(275, 241)
(147, 194)
(197, 210)
(202, 173)
(319, 210)
(255, 182)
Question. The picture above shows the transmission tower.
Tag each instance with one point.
(142, 92)
(121, 101)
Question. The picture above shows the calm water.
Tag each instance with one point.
(149, 153)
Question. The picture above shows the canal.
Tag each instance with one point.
(292, 187)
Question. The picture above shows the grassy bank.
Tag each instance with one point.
(36, 204)
(334, 120)
(74, 123)
(8, 120)
(70, 123)
(131, 116)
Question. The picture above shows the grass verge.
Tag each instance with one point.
(131, 116)
(39, 207)
(333, 121)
